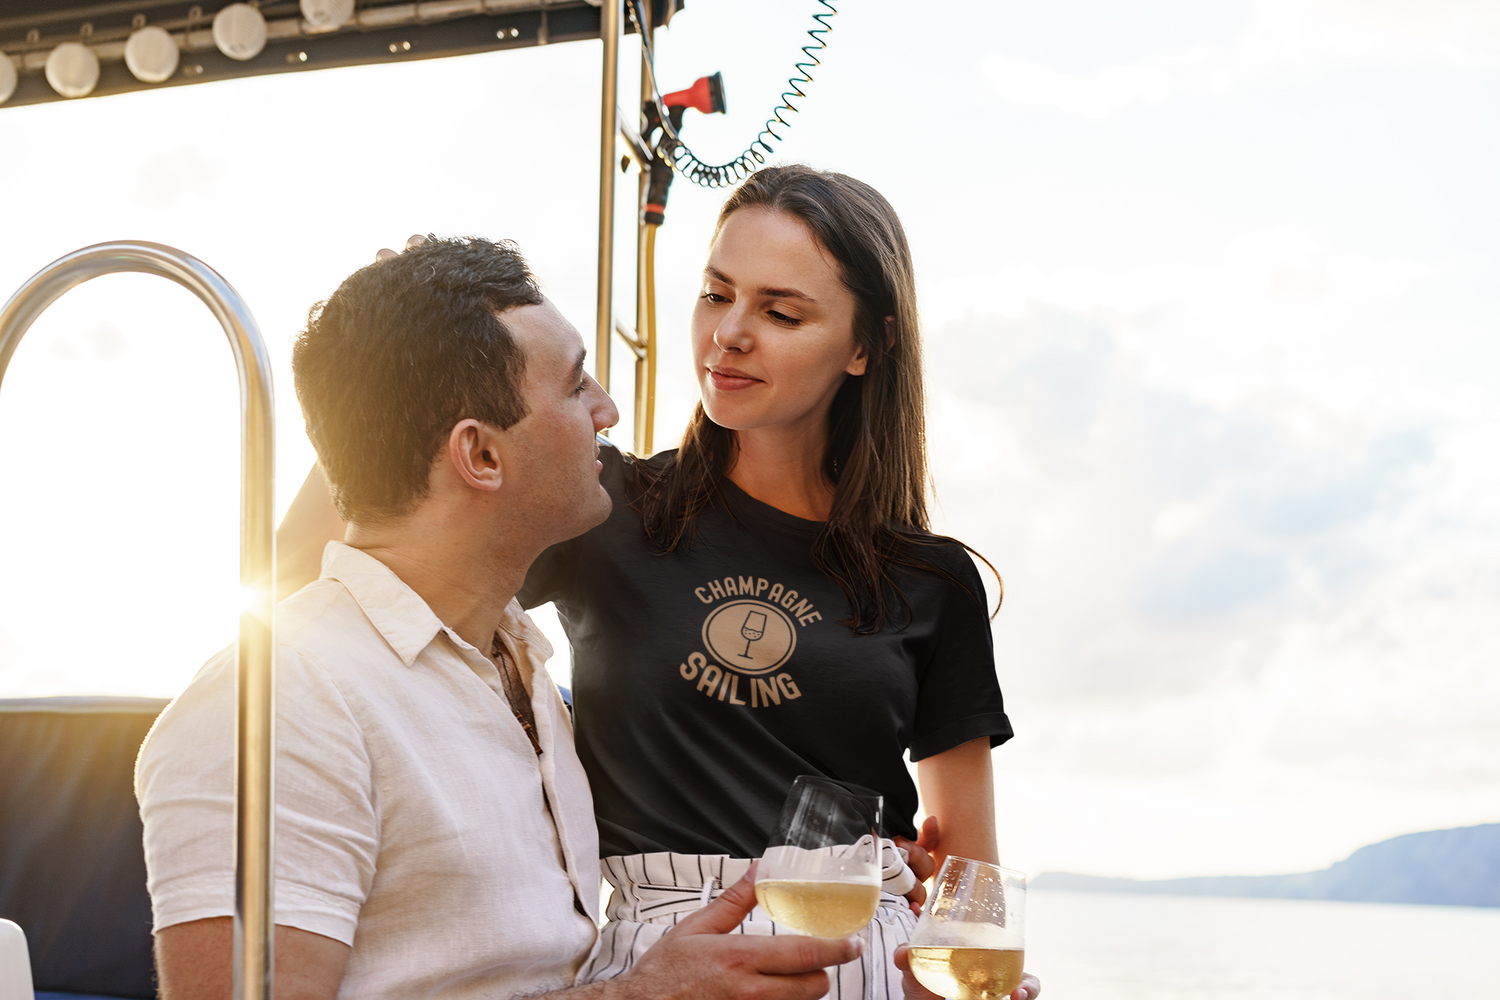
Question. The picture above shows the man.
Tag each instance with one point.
(435, 834)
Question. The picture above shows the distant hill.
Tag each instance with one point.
(1444, 867)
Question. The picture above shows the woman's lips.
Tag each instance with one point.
(730, 379)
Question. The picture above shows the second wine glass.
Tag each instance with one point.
(821, 871)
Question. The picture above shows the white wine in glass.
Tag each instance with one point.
(821, 871)
(970, 943)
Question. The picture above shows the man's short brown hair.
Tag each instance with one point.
(406, 348)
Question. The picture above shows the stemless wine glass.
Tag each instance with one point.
(821, 871)
(970, 943)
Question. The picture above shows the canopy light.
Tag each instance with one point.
(326, 15)
(7, 78)
(151, 55)
(73, 70)
(240, 31)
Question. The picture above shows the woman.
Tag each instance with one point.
(767, 600)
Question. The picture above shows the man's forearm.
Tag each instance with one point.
(195, 961)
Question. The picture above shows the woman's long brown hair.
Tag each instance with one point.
(877, 440)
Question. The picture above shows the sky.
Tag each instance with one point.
(1209, 303)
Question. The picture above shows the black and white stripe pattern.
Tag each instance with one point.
(652, 892)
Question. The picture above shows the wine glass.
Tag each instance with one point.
(821, 871)
(754, 628)
(970, 943)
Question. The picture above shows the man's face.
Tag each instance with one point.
(552, 452)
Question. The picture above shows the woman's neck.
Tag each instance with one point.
(783, 467)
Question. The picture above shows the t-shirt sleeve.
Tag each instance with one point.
(551, 576)
(327, 829)
(958, 695)
(554, 575)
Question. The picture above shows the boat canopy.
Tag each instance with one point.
(255, 39)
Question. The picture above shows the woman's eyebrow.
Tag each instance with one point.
(775, 293)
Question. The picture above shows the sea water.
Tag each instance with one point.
(1108, 946)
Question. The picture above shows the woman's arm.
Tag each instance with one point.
(311, 522)
(958, 790)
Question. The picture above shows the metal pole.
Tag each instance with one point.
(609, 29)
(643, 332)
(253, 903)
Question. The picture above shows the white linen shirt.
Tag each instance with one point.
(414, 820)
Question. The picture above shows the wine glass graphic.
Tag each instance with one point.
(754, 628)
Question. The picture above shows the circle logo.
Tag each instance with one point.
(750, 637)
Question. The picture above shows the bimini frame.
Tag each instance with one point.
(254, 759)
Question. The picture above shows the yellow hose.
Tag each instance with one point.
(649, 337)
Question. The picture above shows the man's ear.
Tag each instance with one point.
(474, 451)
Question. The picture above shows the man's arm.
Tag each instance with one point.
(194, 961)
(699, 959)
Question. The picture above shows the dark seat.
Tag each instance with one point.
(72, 872)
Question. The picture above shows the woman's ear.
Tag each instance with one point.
(859, 362)
(474, 451)
(890, 332)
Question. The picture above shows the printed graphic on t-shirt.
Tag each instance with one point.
(749, 633)
(749, 636)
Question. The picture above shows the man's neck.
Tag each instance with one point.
(465, 576)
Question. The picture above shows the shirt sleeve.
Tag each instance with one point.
(327, 826)
(958, 695)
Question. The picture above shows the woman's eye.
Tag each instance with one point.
(783, 318)
(714, 297)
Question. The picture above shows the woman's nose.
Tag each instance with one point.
(733, 331)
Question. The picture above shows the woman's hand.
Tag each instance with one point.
(1030, 987)
(920, 861)
(411, 241)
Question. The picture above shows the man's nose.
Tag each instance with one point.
(606, 413)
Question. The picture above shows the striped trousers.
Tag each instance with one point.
(652, 892)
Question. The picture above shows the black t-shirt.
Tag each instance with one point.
(706, 679)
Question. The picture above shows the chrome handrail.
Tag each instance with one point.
(253, 903)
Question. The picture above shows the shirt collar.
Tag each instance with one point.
(396, 611)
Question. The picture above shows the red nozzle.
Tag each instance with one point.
(706, 94)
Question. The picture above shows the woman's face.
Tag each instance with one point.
(773, 330)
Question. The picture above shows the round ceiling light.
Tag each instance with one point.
(7, 78)
(326, 14)
(240, 31)
(73, 69)
(151, 55)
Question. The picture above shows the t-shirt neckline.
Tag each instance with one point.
(743, 504)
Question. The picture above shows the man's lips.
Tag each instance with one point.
(731, 379)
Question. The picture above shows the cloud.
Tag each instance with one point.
(1257, 577)
(165, 179)
(1461, 34)
(1280, 37)
(1094, 95)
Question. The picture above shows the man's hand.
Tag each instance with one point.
(699, 958)
(1029, 989)
(920, 861)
